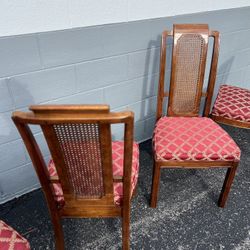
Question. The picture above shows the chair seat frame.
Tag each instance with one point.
(230, 122)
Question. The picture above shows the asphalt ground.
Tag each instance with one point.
(187, 216)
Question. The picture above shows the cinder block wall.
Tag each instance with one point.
(115, 64)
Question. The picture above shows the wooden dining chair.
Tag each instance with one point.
(88, 175)
(232, 106)
(183, 139)
(10, 239)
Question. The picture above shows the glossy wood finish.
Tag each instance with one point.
(197, 30)
(231, 122)
(48, 117)
(213, 71)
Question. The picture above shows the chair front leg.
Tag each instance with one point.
(227, 184)
(155, 185)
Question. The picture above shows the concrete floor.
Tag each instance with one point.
(187, 216)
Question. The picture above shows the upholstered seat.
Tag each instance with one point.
(117, 157)
(11, 239)
(193, 138)
(232, 103)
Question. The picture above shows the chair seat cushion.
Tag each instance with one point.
(11, 239)
(232, 103)
(117, 157)
(193, 138)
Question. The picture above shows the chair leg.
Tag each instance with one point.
(155, 185)
(227, 185)
(135, 191)
(125, 228)
(58, 232)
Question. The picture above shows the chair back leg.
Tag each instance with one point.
(58, 232)
(126, 228)
(155, 184)
(227, 184)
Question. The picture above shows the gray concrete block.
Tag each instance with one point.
(159, 25)
(225, 21)
(8, 131)
(232, 78)
(101, 73)
(131, 91)
(91, 97)
(42, 144)
(229, 20)
(149, 127)
(144, 62)
(123, 38)
(6, 102)
(70, 46)
(144, 109)
(117, 131)
(234, 61)
(247, 76)
(12, 155)
(139, 129)
(41, 86)
(235, 41)
(19, 54)
(245, 84)
(18, 180)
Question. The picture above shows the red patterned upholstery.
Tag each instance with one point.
(11, 239)
(193, 138)
(117, 155)
(232, 103)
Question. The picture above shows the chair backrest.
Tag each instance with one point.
(189, 56)
(80, 143)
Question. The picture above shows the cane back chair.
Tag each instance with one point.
(232, 106)
(88, 175)
(183, 139)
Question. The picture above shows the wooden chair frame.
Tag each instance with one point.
(48, 115)
(158, 165)
(231, 122)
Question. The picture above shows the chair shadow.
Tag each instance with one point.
(150, 90)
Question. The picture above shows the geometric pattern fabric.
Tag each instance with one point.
(232, 103)
(11, 239)
(194, 139)
(117, 157)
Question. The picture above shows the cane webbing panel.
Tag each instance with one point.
(117, 168)
(189, 55)
(80, 147)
